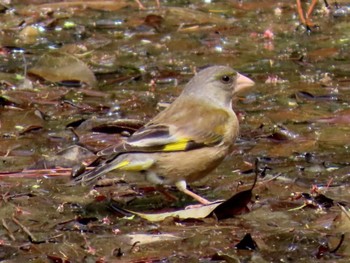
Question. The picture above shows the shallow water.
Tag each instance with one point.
(131, 62)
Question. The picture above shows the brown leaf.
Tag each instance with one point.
(56, 67)
(69, 157)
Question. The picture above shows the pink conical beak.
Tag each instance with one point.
(242, 83)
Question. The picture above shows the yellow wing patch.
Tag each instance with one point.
(121, 164)
(180, 145)
(135, 166)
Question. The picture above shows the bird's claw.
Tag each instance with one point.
(308, 27)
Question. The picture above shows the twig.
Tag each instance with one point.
(339, 244)
(4, 224)
(346, 213)
(40, 172)
(32, 239)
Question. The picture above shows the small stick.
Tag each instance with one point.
(32, 239)
(4, 224)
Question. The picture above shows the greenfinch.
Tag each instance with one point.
(184, 142)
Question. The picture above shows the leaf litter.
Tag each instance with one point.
(128, 63)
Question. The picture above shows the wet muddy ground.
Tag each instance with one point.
(78, 76)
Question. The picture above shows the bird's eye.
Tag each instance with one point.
(226, 79)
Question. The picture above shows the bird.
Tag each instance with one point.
(185, 141)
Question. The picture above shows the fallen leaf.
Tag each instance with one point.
(198, 212)
(58, 67)
(144, 239)
(69, 157)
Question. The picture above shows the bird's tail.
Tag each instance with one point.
(90, 177)
(134, 163)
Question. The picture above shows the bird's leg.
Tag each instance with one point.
(300, 12)
(182, 186)
(311, 9)
(305, 19)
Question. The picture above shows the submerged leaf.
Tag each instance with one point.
(304, 95)
(98, 5)
(69, 157)
(59, 67)
(342, 222)
(191, 16)
(341, 117)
